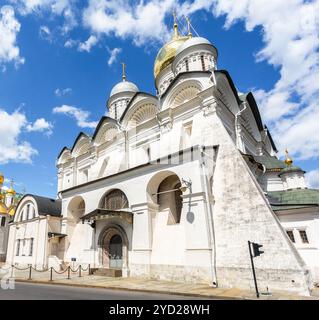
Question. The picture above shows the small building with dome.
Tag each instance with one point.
(172, 186)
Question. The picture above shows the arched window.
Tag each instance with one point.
(203, 62)
(76, 209)
(115, 200)
(28, 211)
(186, 65)
(3, 221)
(169, 197)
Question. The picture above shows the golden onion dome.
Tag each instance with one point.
(3, 208)
(167, 53)
(11, 211)
(11, 191)
(288, 160)
(1, 178)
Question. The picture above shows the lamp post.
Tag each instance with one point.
(186, 185)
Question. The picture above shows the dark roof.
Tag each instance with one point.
(291, 169)
(104, 118)
(131, 101)
(46, 206)
(270, 162)
(293, 199)
(103, 212)
(231, 83)
(64, 148)
(180, 75)
(78, 138)
(271, 140)
(249, 97)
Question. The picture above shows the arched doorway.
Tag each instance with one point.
(116, 252)
(114, 246)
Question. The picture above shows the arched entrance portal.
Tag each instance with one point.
(116, 252)
(114, 245)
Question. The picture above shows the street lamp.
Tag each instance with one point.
(186, 185)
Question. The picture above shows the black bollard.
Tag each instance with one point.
(30, 270)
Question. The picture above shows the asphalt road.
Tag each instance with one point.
(31, 291)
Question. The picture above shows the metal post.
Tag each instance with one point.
(30, 270)
(69, 272)
(51, 273)
(253, 268)
(89, 268)
(80, 271)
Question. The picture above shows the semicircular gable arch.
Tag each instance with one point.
(182, 92)
(25, 200)
(140, 112)
(106, 131)
(81, 145)
(64, 155)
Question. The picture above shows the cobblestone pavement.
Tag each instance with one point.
(148, 285)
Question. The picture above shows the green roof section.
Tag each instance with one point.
(291, 169)
(293, 199)
(270, 162)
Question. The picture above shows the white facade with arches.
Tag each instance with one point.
(173, 186)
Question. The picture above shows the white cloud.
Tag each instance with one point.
(312, 179)
(9, 28)
(65, 8)
(113, 55)
(13, 149)
(289, 30)
(81, 116)
(62, 92)
(88, 44)
(45, 33)
(141, 21)
(40, 125)
(70, 43)
(290, 35)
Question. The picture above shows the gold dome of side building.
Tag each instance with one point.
(167, 53)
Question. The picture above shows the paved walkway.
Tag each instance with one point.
(154, 286)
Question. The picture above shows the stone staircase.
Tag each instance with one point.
(114, 273)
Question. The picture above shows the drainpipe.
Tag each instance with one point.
(238, 145)
(210, 218)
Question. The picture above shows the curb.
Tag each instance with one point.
(133, 289)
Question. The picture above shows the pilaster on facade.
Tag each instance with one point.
(210, 107)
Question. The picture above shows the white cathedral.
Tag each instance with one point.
(173, 186)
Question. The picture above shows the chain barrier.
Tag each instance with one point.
(87, 268)
(43, 270)
(21, 269)
(79, 270)
(63, 271)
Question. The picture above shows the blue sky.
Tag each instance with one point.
(56, 53)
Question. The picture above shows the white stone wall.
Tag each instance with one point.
(225, 209)
(272, 182)
(4, 233)
(293, 180)
(304, 220)
(34, 227)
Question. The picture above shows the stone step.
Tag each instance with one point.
(115, 273)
